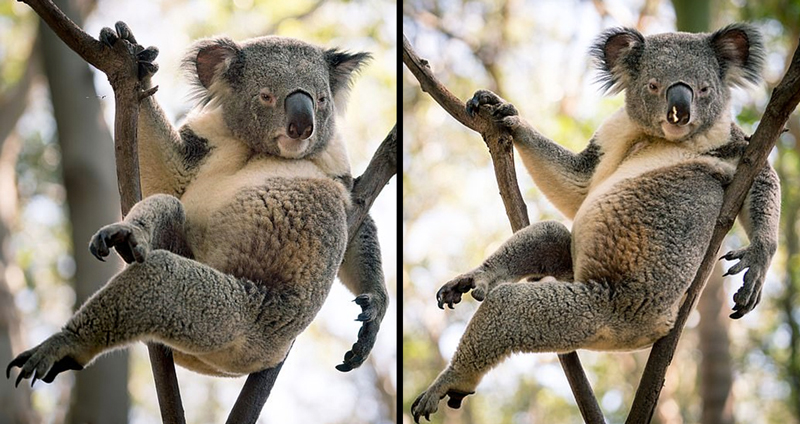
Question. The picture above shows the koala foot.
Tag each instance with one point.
(129, 240)
(428, 402)
(54, 356)
(372, 310)
(144, 56)
(500, 110)
(451, 291)
(756, 261)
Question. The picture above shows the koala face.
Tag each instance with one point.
(278, 95)
(678, 85)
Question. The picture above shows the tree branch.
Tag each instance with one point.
(382, 167)
(783, 101)
(120, 66)
(499, 142)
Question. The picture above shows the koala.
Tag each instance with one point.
(643, 198)
(242, 229)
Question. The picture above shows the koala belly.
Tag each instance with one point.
(644, 237)
(286, 237)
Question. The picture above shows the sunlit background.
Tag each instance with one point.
(535, 54)
(38, 266)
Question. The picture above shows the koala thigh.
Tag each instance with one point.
(194, 309)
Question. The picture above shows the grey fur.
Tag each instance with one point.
(235, 246)
(643, 203)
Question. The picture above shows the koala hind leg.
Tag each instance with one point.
(546, 316)
(182, 303)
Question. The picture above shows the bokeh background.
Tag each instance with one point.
(535, 54)
(58, 186)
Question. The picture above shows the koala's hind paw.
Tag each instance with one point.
(499, 108)
(428, 402)
(45, 361)
(129, 240)
(144, 56)
(372, 311)
(756, 261)
(451, 291)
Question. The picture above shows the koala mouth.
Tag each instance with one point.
(292, 148)
(673, 132)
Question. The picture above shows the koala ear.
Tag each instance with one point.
(617, 52)
(341, 67)
(740, 53)
(207, 61)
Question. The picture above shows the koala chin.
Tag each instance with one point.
(243, 227)
(643, 196)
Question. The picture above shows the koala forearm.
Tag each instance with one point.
(760, 214)
(561, 175)
(361, 270)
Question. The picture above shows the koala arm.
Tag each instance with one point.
(760, 217)
(157, 222)
(361, 272)
(560, 174)
(165, 155)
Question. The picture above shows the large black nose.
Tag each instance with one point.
(679, 104)
(299, 115)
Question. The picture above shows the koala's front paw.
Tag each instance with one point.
(500, 110)
(131, 242)
(373, 307)
(144, 56)
(54, 356)
(756, 261)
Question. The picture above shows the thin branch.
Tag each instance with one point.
(382, 167)
(499, 142)
(784, 100)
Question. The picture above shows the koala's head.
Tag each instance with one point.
(678, 85)
(277, 94)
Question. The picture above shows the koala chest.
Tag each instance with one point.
(269, 220)
(649, 217)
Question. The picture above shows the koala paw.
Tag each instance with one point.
(144, 56)
(428, 402)
(129, 240)
(756, 261)
(500, 110)
(372, 311)
(451, 291)
(54, 356)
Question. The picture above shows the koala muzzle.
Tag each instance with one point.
(299, 115)
(679, 104)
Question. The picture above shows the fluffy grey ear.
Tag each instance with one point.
(212, 60)
(342, 66)
(740, 53)
(617, 52)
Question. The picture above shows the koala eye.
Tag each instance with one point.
(267, 98)
(322, 99)
(705, 90)
(652, 86)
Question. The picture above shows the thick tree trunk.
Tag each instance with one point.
(100, 394)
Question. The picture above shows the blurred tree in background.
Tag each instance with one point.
(58, 186)
(535, 54)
